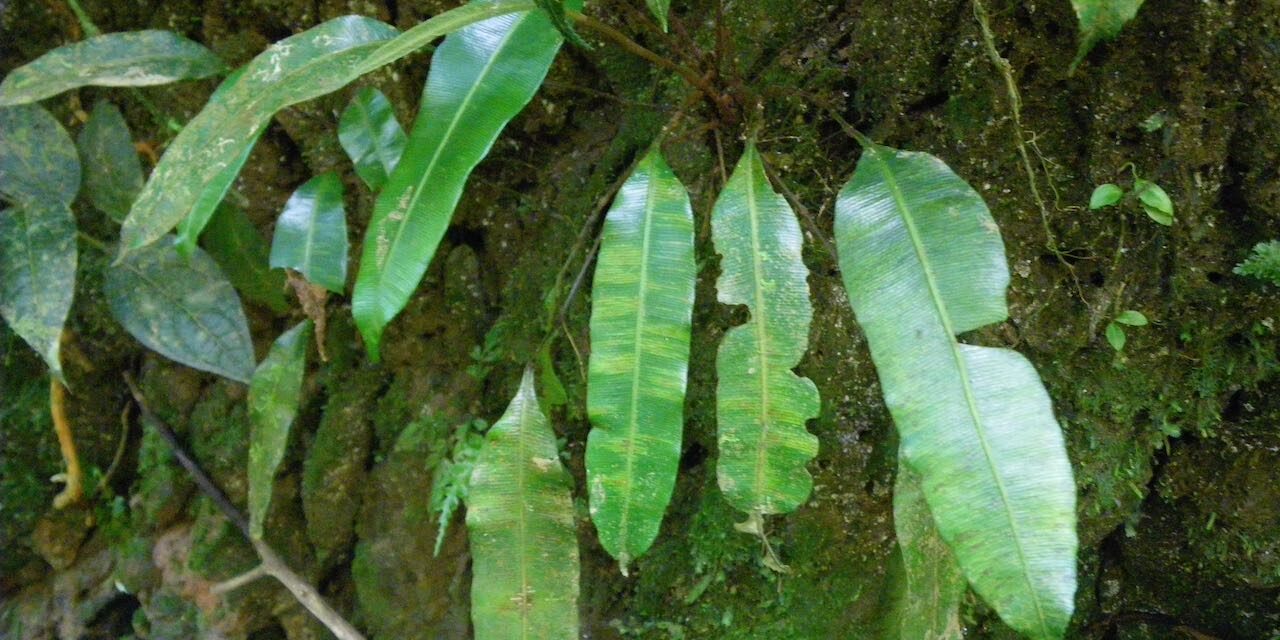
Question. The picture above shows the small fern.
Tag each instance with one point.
(1263, 262)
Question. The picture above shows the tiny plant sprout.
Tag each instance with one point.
(1105, 195)
(1115, 332)
(1153, 123)
(1155, 201)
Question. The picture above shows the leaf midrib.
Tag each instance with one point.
(760, 316)
(523, 604)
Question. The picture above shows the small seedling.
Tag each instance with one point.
(1115, 332)
(1155, 202)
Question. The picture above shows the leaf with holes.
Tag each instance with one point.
(237, 246)
(641, 310)
(923, 261)
(112, 171)
(38, 274)
(38, 162)
(524, 540)
(1100, 20)
(761, 405)
(372, 137)
(929, 590)
(311, 233)
(274, 394)
(183, 309)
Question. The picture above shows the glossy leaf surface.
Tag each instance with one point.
(127, 59)
(928, 600)
(311, 233)
(480, 78)
(112, 170)
(241, 251)
(183, 309)
(38, 162)
(1101, 20)
(524, 541)
(641, 309)
(372, 137)
(274, 393)
(38, 274)
(923, 261)
(761, 405)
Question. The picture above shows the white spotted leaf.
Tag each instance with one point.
(274, 394)
(38, 274)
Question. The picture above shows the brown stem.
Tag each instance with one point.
(621, 39)
(73, 491)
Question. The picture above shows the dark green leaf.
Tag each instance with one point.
(641, 309)
(1100, 20)
(237, 246)
(274, 393)
(524, 540)
(183, 309)
(112, 170)
(372, 136)
(38, 274)
(922, 261)
(128, 59)
(928, 602)
(661, 9)
(1116, 336)
(1105, 195)
(1132, 318)
(38, 162)
(311, 233)
(761, 405)
(480, 78)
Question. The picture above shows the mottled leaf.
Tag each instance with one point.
(311, 233)
(237, 246)
(1100, 20)
(372, 136)
(524, 541)
(923, 261)
(38, 162)
(127, 59)
(274, 393)
(112, 170)
(38, 274)
(480, 78)
(928, 598)
(641, 310)
(761, 405)
(183, 309)
(660, 9)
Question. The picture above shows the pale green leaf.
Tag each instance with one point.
(524, 544)
(1132, 318)
(127, 59)
(183, 309)
(1100, 20)
(761, 405)
(661, 9)
(641, 310)
(928, 598)
(480, 78)
(311, 233)
(371, 135)
(112, 170)
(38, 162)
(38, 274)
(923, 261)
(274, 394)
(1105, 195)
(1153, 195)
(237, 246)
(1116, 336)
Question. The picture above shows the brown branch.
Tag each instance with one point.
(73, 492)
(619, 38)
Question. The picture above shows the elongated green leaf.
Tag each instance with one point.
(317, 61)
(641, 311)
(38, 274)
(928, 606)
(923, 261)
(274, 393)
(661, 9)
(1100, 20)
(38, 162)
(311, 234)
(480, 78)
(372, 136)
(112, 171)
(183, 309)
(235, 244)
(523, 539)
(761, 405)
(128, 59)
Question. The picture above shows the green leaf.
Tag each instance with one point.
(1105, 195)
(1262, 263)
(524, 540)
(1132, 318)
(311, 233)
(480, 78)
(661, 9)
(761, 405)
(928, 601)
(552, 388)
(183, 309)
(372, 136)
(1116, 336)
(922, 261)
(127, 59)
(274, 393)
(112, 170)
(1155, 202)
(38, 274)
(641, 310)
(38, 162)
(237, 246)
(1100, 20)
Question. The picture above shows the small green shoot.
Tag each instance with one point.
(1115, 331)
(1263, 263)
(1153, 123)
(1155, 202)
(451, 480)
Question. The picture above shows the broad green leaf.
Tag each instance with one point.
(922, 261)
(311, 233)
(240, 250)
(184, 309)
(127, 59)
(1116, 336)
(38, 274)
(38, 162)
(928, 603)
(317, 61)
(1132, 318)
(274, 393)
(761, 405)
(480, 78)
(1105, 195)
(1155, 202)
(112, 170)
(661, 9)
(1100, 20)
(372, 136)
(641, 310)
(524, 542)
